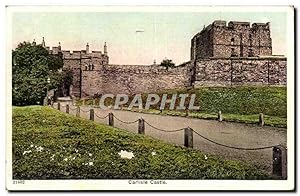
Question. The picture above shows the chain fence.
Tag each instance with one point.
(125, 122)
(73, 109)
(279, 151)
(232, 147)
(85, 111)
(101, 117)
(175, 130)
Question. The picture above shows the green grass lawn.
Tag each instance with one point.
(48, 144)
(237, 104)
(274, 121)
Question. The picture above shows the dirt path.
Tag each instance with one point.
(233, 134)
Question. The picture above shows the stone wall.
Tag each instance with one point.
(132, 79)
(235, 39)
(79, 62)
(241, 71)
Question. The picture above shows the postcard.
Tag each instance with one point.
(150, 98)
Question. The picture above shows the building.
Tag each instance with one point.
(222, 54)
(237, 39)
(236, 53)
(81, 62)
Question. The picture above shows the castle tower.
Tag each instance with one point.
(237, 39)
(105, 49)
(34, 43)
(87, 48)
(43, 42)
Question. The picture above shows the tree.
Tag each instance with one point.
(167, 63)
(32, 65)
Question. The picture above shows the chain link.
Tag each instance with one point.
(232, 147)
(176, 130)
(101, 117)
(84, 110)
(73, 109)
(126, 122)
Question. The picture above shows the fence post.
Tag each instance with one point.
(220, 118)
(141, 128)
(58, 106)
(280, 161)
(188, 137)
(78, 111)
(67, 109)
(261, 119)
(92, 114)
(111, 119)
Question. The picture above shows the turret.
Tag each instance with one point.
(43, 42)
(59, 46)
(105, 49)
(34, 43)
(87, 48)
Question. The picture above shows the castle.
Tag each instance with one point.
(221, 55)
(237, 39)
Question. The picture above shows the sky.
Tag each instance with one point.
(134, 37)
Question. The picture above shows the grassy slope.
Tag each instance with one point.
(64, 137)
(238, 104)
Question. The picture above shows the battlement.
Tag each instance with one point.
(236, 24)
(261, 25)
(77, 54)
(219, 23)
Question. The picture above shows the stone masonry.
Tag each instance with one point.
(221, 55)
(236, 54)
(237, 39)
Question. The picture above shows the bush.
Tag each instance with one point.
(32, 66)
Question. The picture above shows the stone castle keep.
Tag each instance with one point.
(222, 54)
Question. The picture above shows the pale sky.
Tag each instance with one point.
(163, 34)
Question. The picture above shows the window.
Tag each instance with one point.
(232, 52)
(250, 52)
(232, 41)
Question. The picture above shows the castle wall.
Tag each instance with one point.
(241, 71)
(132, 79)
(261, 42)
(91, 83)
(73, 63)
(83, 66)
(237, 39)
(221, 55)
